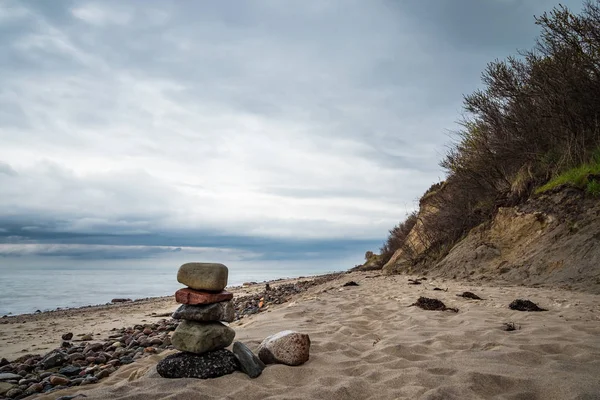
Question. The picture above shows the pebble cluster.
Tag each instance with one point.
(84, 360)
(81, 362)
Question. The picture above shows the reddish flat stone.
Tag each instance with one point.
(191, 296)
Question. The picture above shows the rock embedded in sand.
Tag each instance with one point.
(250, 364)
(222, 311)
(286, 347)
(203, 276)
(202, 337)
(195, 297)
(67, 336)
(208, 365)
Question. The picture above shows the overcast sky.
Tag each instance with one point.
(283, 127)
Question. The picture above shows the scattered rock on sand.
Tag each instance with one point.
(286, 347)
(120, 300)
(469, 295)
(222, 311)
(351, 283)
(432, 305)
(250, 364)
(67, 336)
(525, 305)
(510, 326)
(203, 276)
(188, 365)
(201, 337)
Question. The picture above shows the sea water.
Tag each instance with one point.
(28, 285)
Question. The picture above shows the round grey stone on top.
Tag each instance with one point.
(203, 276)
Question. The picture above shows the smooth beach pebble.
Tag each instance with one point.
(250, 364)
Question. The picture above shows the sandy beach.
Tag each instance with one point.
(368, 343)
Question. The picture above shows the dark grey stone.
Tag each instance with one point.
(189, 365)
(54, 359)
(250, 364)
(126, 360)
(70, 370)
(222, 311)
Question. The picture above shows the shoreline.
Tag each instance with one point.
(234, 289)
(122, 314)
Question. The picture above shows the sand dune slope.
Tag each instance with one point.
(367, 344)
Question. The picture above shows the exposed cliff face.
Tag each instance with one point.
(417, 240)
(552, 239)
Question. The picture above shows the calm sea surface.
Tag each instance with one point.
(45, 284)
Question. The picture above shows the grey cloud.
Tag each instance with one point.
(7, 169)
(168, 123)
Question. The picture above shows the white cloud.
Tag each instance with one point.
(101, 15)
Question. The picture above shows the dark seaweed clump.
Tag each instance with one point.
(525, 305)
(469, 295)
(432, 305)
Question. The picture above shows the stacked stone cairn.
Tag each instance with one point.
(201, 335)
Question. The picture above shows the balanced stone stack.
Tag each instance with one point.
(201, 335)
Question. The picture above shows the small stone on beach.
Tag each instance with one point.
(286, 347)
(250, 364)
